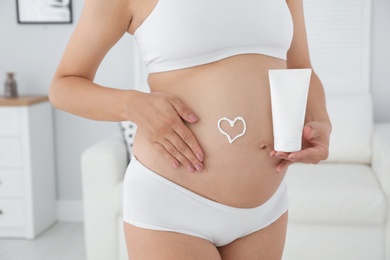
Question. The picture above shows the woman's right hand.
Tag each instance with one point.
(161, 115)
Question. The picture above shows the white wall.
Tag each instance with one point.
(33, 51)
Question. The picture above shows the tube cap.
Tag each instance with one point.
(287, 144)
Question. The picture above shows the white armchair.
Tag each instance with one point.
(103, 166)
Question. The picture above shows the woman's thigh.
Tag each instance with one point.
(145, 244)
(267, 243)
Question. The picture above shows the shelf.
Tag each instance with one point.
(22, 101)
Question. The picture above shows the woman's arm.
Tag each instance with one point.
(160, 116)
(298, 57)
(101, 25)
(316, 132)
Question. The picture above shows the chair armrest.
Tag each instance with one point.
(381, 155)
(103, 166)
(381, 167)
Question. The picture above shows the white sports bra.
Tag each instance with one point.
(179, 34)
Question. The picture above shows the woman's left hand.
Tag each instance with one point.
(315, 146)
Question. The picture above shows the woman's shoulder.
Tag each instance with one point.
(112, 14)
(109, 9)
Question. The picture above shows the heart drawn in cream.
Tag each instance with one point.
(232, 123)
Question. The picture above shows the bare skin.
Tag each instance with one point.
(177, 133)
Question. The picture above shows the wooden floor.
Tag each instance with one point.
(63, 241)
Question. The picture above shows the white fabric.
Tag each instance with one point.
(103, 166)
(153, 202)
(307, 241)
(122, 249)
(118, 191)
(352, 120)
(381, 154)
(180, 34)
(381, 167)
(128, 129)
(335, 194)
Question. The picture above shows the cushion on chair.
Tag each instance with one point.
(335, 193)
(128, 130)
(352, 120)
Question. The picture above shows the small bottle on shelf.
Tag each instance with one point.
(10, 86)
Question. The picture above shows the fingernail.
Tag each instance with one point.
(192, 117)
(199, 167)
(199, 156)
(190, 169)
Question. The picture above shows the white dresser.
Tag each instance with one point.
(27, 172)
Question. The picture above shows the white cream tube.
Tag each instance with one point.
(289, 90)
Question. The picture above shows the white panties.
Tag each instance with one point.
(154, 202)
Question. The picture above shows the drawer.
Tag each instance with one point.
(11, 185)
(10, 152)
(9, 121)
(11, 213)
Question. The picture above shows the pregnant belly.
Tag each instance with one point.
(232, 100)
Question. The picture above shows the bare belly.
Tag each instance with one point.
(241, 173)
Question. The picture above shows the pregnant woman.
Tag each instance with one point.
(204, 181)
